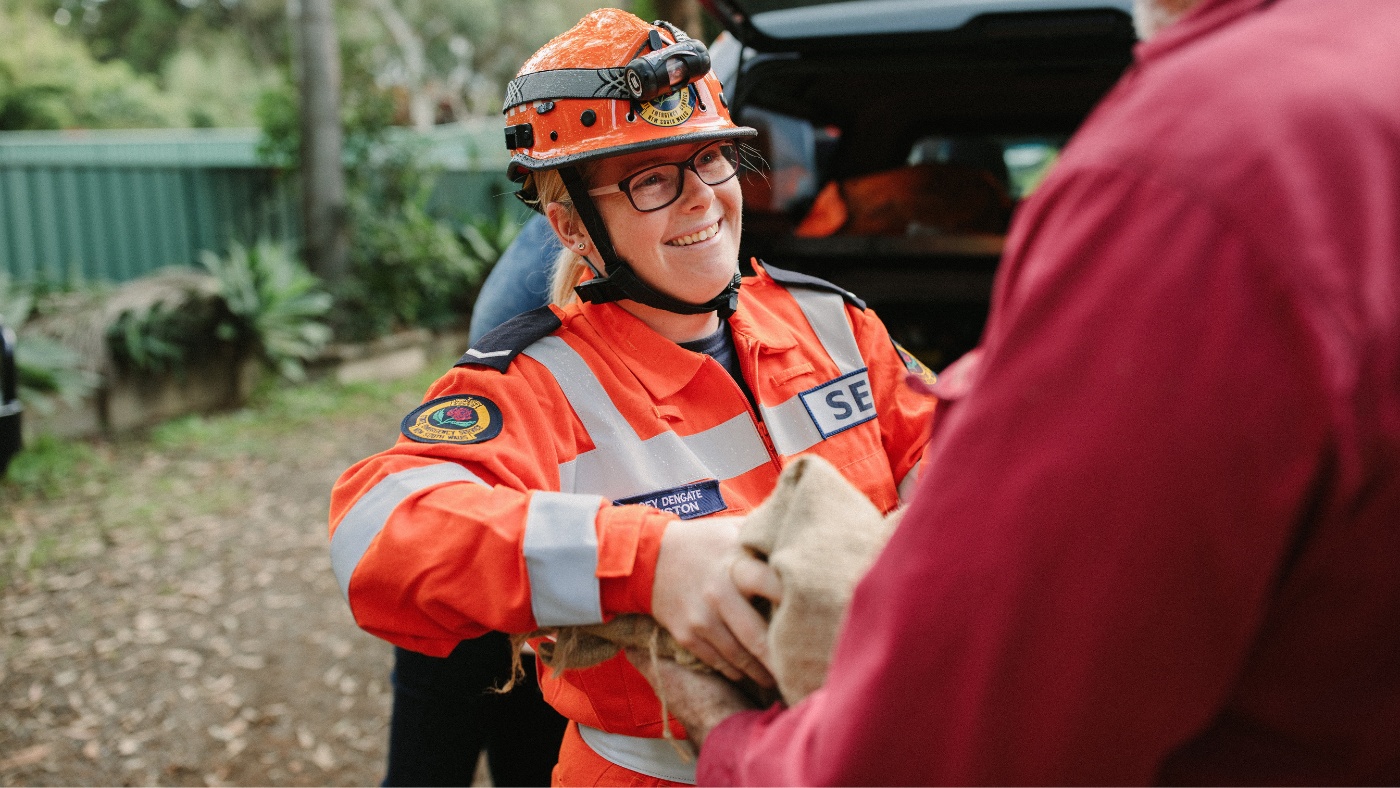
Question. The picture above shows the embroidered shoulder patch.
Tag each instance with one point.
(915, 366)
(461, 418)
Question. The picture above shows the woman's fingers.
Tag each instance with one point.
(718, 646)
(756, 578)
(696, 598)
(751, 633)
(708, 654)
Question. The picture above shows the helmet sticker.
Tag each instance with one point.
(672, 110)
(455, 419)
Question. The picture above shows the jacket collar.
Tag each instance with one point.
(754, 325)
(662, 366)
(1203, 20)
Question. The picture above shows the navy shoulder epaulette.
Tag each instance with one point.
(503, 343)
(795, 279)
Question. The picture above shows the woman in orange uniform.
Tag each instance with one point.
(595, 457)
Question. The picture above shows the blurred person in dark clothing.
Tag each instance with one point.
(445, 709)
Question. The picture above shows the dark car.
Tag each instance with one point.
(900, 135)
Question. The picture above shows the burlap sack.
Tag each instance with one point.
(583, 647)
(819, 533)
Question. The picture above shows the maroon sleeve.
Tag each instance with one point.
(1074, 589)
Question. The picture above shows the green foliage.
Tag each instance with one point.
(159, 322)
(28, 107)
(148, 34)
(137, 31)
(273, 302)
(47, 368)
(408, 269)
(46, 467)
(218, 85)
(487, 237)
(136, 63)
(276, 110)
(51, 81)
(472, 48)
(260, 298)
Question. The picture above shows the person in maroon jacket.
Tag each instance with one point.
(1157, 537)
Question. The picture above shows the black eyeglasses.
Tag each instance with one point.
(661, 184)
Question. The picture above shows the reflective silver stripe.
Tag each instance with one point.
(789, 423)
(621, 464)
(791, 427)
(652, 757)
(367, 517)
(728, 449)
(826, 312)
(909, 482)
(561, 559)
(669, 460)
(583, 390)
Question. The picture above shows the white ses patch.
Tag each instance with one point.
(840, 404)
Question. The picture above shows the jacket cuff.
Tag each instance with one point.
(629, 541)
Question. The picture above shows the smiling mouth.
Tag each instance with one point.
(695, 238)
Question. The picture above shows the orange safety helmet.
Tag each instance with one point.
(612, 84)
(609, 85)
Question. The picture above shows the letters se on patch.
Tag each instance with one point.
(840, 404)
(461, 418)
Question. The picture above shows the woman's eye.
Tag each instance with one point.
(648, 180)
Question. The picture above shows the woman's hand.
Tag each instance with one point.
(695, 598)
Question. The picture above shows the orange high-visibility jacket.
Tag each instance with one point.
(533, 486)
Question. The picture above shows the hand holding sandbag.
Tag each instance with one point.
(820, 535)
(817, 533)
(698, 604)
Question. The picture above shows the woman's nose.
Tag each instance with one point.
(696, 193)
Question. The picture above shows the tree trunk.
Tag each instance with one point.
(325, 232)
(422, 104)
(684, 14)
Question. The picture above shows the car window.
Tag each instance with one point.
(1028, 162)
(947, 185)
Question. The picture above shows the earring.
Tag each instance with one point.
(580, 244)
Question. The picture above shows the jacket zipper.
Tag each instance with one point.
(754, 415)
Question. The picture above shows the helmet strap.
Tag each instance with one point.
(620, 282)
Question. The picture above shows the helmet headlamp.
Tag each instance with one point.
(666, 69)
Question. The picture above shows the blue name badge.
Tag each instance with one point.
(687, 502)
(840, 404)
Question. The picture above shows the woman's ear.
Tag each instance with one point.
(567, 226)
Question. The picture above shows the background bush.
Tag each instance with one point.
(274, 305)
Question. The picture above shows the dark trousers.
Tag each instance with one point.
(445, 713)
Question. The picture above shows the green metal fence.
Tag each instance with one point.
(84, 206)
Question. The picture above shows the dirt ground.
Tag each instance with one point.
(202, 643)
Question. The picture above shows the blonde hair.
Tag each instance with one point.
(569, 267)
